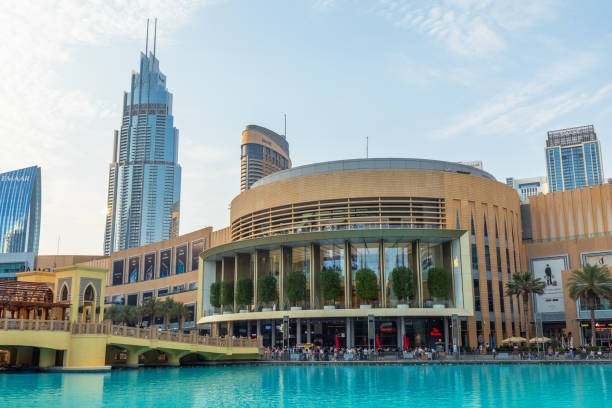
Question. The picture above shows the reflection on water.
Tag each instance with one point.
(317, 386)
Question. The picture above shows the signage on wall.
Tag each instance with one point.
(165, 257)
(601, 259)
(196, 248)
(149, 267)
(181, 259)
(548, 269)
(133, 269)
(118, 271)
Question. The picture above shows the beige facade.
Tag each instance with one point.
(50, 262)
(271, 155)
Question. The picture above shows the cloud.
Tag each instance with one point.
(466, 27)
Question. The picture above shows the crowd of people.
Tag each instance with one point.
(317, 353)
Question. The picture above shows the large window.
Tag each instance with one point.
(364, 256)
(300, 261)
(432, 257)
(398, 254)
(332, 257)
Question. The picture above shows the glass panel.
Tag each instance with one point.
(364, 256)
(300, 261)
(396, 255)
(431, 257)
(332, 257)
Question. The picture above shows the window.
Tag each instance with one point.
(178, 288)
(162, 291)
(132, 299)
(193, 285)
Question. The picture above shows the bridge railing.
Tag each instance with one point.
(27, 324)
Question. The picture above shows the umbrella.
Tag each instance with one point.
(337, 343)
(377, 341)
(540, 340)
(405, 342)
(512, 340)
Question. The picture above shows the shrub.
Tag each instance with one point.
(244, 291)
(227, 293)
(215, 294)
(296, 286)
(401, 282)
(266, 289)
(366, 284)
(438, 283)
(330, 284)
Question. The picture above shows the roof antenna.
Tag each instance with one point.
(155, 39)
(147, 46)
(367, 147)
(285, 125)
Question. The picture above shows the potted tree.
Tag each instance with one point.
(366, 286)
(215, 296)
(330, 287)
(227, 295)
(296, 288)
(438, 283)
(266, 291)
(244, 293)
(401, 284)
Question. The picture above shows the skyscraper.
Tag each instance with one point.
(573, 158)
(144, 183)
(20, 210)
(528, 187)
(263, 152)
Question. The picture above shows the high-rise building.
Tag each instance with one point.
(20, 210)
(144, 184)
(573, 158)
(528, 187)
(263, 152)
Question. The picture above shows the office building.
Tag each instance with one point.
(143, 204)
(263, 152)
(528, 187)
(573, 159)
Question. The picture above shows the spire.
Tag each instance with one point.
(147, 43)
(155, 39)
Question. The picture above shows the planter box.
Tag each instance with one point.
(266, 309)
(228, 312)
(244, 311)
(329, 307)
(403, 306)
(365, 306)
(294, 308)
(439, 306)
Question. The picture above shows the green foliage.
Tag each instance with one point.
(266, 289)
(119, 314)
(366, 284)
(524, 283)
(330, 284)
(401, 282)
(227, 293)
(296, 286)
(438, 283)
(244, 291)
(215, 294)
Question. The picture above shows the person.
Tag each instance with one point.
(494, 353)
(548, 274)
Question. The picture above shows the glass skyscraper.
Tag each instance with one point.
(20, 210)
(144, 184)
(573, 158)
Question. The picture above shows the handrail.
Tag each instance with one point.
(109, 329)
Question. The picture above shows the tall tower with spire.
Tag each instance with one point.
(144, 183)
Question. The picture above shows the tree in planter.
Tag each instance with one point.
(266, 289)
(401, 283)
(227, 293)
(438, 283)
(244, 292)
(215, 294)
(296, 287)
(366, 284)
(330, 284)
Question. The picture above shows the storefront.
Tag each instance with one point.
(603, 332)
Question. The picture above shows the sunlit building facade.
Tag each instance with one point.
(263, 152)
(143, 204)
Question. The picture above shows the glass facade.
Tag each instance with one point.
(143, 201)
(20, 210)
(397, 254)
(258, 159)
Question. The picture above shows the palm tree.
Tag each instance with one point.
(148, 308)
(112, 314)
(159, 309)
(167, 306)
(593, 282)
(180, 311)
(140, 313)
(525, 284)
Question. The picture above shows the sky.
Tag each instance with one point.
(447, 80)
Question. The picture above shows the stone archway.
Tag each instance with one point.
(89, 305)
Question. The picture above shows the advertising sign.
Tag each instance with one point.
(118, 271)
(601, 259)
(133, 269)
(549, 271)
(149, 267)
(181, 259)
(196, 248)
(165, 258)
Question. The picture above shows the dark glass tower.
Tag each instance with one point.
(144, 178)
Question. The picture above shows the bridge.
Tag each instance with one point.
(65, 345)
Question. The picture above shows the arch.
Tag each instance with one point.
(64, 294)
(89, 295)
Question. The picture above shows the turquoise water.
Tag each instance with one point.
(317, 386)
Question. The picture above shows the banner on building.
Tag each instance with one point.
(149, 267)
(548, 269)
(181, 259)
(598, 258)
(118, 265)
(196, 248)
(133, 269)
(165, 258)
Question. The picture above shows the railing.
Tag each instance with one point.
(109, 329)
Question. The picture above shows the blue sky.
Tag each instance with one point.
(448, 80)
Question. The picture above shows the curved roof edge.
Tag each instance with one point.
(372, 164)
(278, 139)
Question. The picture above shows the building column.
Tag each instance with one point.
(258, 328)
(248, 329)
(298, 331)
(315, 270)
(350, 338)
(400, 337)
(446, 345)
(273, 333)
(402, 330)
(308, 336)
(47, 358)
(416, 250)
(348, 285)
(255, 278)
(285, 267)
(381, 270)
(236, 281)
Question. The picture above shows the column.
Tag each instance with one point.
(419, 272)
(47, 358)
(446, 345)
(402, 330)
(248, 329)
(315, 269)
(236, 260)
(255, 277)
(400, 337)
(273, 333)
(298, 331)
(348, 286)
(285, 267)
(308, 336)
(350, 337)
(381, 269)
(258, 329)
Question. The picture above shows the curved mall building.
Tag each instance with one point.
(454, 227)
